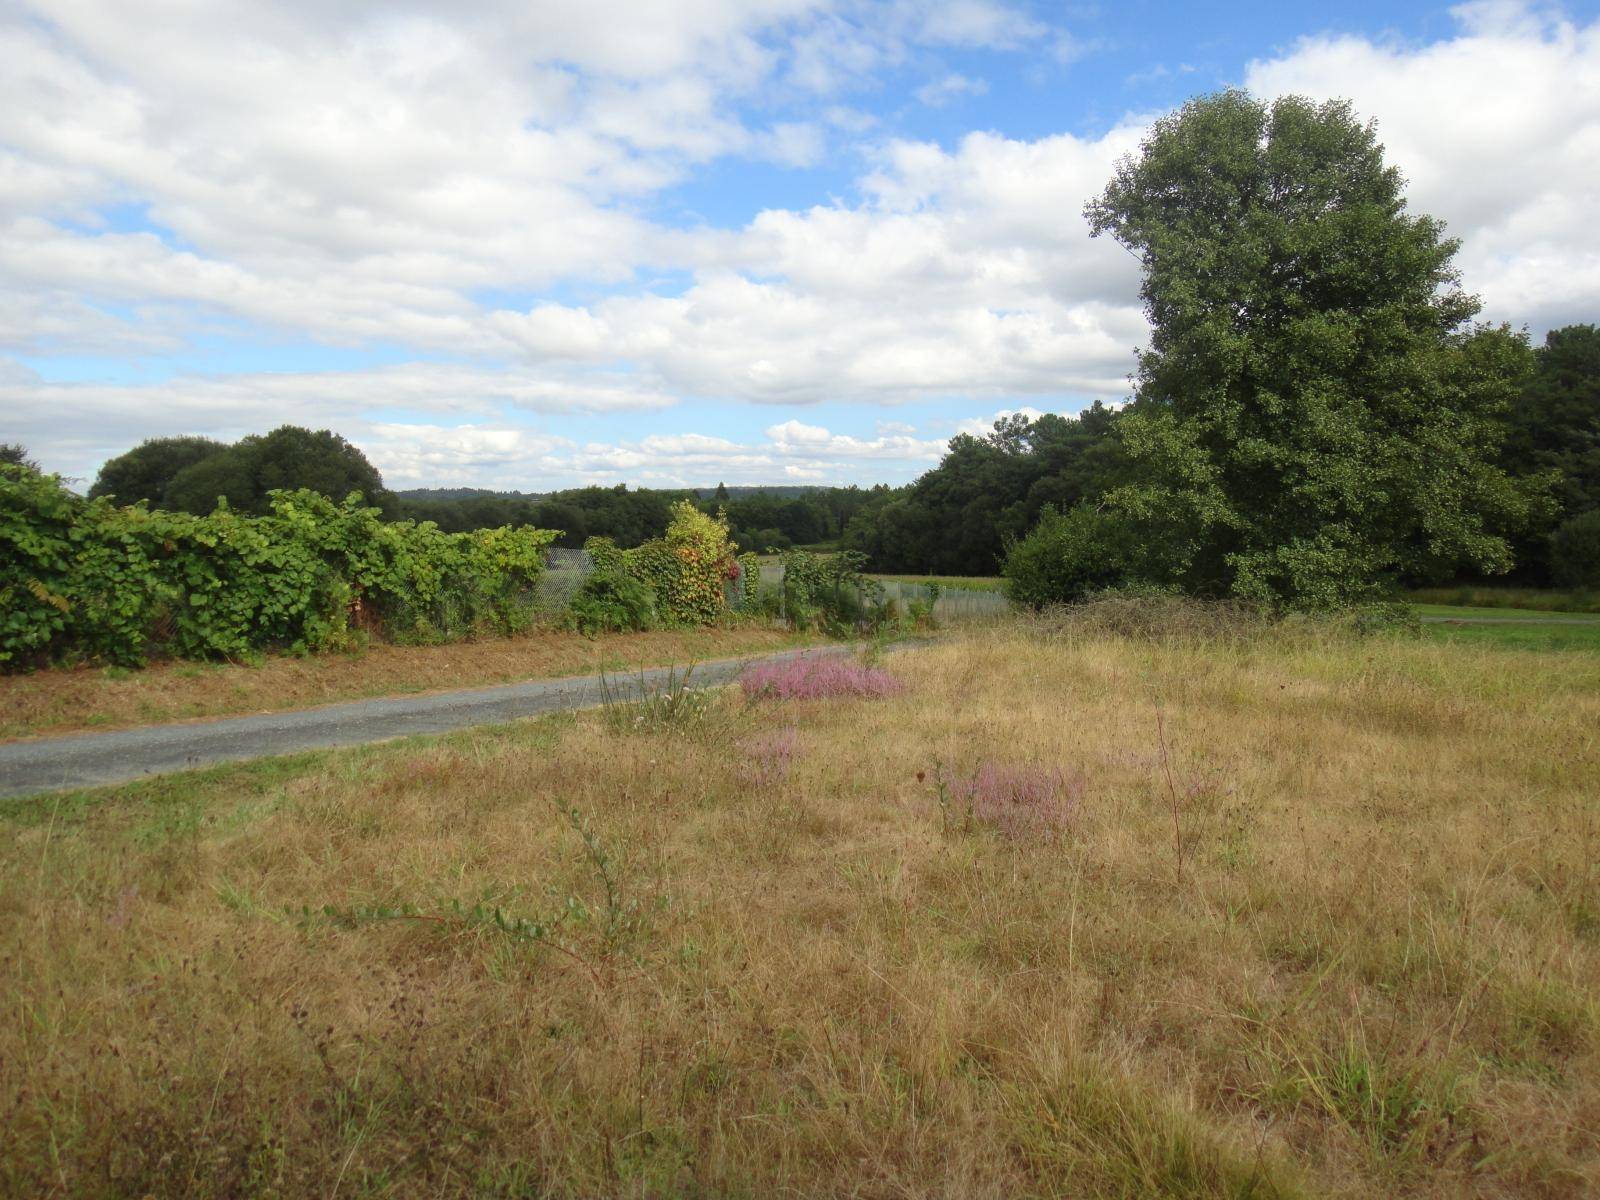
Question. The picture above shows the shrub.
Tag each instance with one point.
(831, 592)
(90, 579)
(1575, 551)
(689, 568)
(1066, 556)
(1386, 618)
(817, 678)
(612, 601)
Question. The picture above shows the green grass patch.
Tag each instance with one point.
(1467, 613)
(1541, 600)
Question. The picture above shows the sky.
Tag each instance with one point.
(532, 245)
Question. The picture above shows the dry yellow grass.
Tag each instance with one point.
(64, 701)
(1375, 975)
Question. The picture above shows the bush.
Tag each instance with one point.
(612, 601)
(1370, 619)
(689, 568)
(1575, 551)
(831, 592)
(817, 678)
(89, 579)
(1067, 556)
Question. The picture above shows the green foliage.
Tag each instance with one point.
(1575, 551)
(688, 569)
(1387, 617)
(987, 491)
(1313, 414)
(288, 458)
(1555, 434)
(603, 551)
(147, 471)
(749, 582)
(15, 454)
(831, 593)
(612, 601)
(1066, 556)
(87, 578)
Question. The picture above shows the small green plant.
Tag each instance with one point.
(612, 601)
(621, 920)
(666, 703)
(1386, 618)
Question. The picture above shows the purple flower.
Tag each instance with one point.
(817, 678)
(1021, 802)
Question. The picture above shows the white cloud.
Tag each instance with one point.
(983, 426)
(1497, 131)
(940, 92)
(81, 424)
(411, 175)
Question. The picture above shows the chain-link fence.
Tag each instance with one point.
(564, 573)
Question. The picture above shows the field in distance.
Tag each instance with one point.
(1254, 911)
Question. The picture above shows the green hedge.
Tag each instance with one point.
(88, 579)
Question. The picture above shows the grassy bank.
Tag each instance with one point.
(1310, 919)
(64, 701)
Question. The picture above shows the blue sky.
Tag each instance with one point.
(743, 240)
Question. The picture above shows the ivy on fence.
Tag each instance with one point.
(88, 579)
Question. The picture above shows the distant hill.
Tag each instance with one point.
(466, 493)
(784, 491)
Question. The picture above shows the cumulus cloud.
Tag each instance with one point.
(1498, 131)
(479, 184)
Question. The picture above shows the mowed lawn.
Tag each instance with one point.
(1522, 629)
(1315, 917)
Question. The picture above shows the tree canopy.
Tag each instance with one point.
(245, 473)
(1315, 415)
(957, 518)
(1556, 427)
(147, 471)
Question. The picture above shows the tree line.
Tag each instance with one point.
(1318, 417)
(194, 474)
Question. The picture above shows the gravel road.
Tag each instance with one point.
(92, 759)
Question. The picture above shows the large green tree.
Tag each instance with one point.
(957, 518)
(146, 471)
(1315, 415)
(288, 457)
(1555, 428)
(15, 454)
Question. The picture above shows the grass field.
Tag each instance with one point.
(1527, 599)
(65, 701)
(1515, 628)
(1301, 917)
